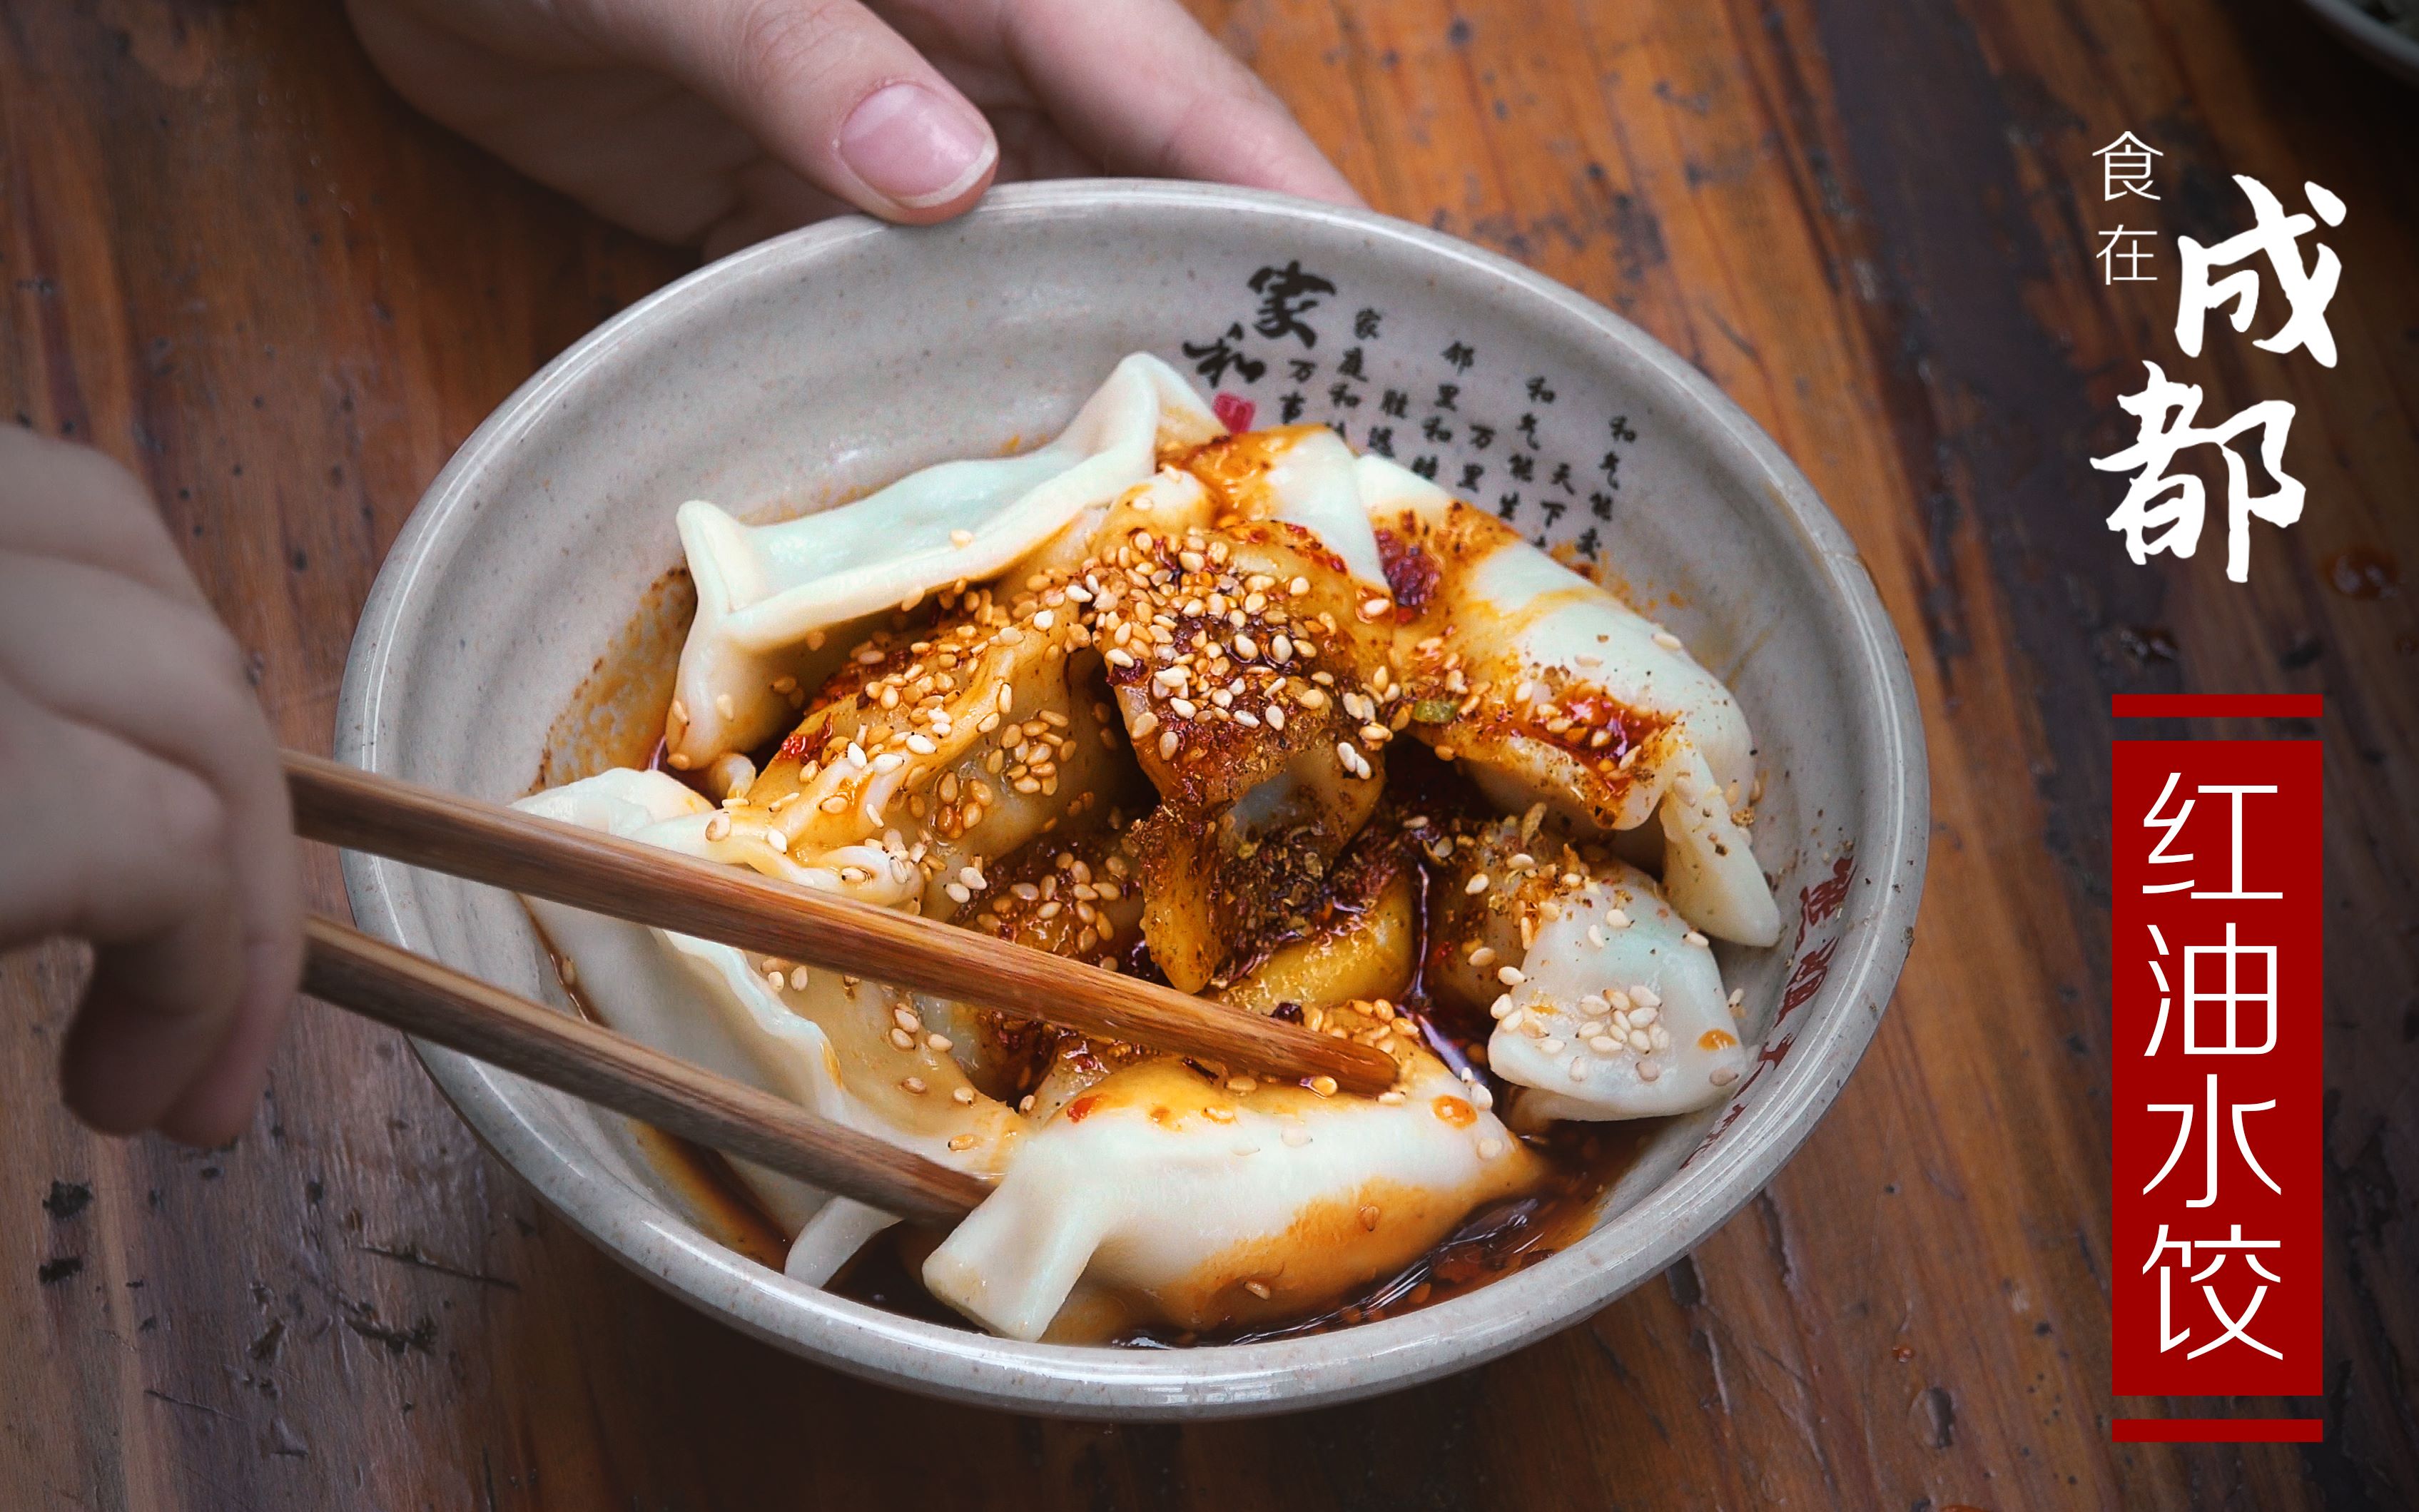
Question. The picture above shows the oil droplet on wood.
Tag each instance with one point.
(2364, 571)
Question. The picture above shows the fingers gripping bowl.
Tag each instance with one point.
(818, 368)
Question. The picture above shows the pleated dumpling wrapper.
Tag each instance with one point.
(1221, 1206)
(1549, 690)
(1606, 1004)
(774, 601)
(816, 1039)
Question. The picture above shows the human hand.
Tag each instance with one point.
(140, 805)
(720, 122)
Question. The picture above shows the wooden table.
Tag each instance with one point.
(233, 259)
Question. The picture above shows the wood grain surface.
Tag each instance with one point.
(229, 256)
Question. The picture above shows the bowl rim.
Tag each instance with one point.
(1203, 1381)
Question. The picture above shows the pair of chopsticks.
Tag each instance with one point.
(585, 869)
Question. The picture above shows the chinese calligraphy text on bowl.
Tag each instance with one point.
(811, 369)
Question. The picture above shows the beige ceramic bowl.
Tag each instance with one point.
(813, 367)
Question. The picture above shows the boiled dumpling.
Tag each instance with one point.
(814, 1038)
(1546, 689)
(1606, 1005)
(1242, 665)
(1197, 1205)
(776, 603)
(941, 747)
(1299, 475)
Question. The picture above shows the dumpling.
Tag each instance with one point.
(1299, 475)
(1606, 1005)
(839, 1048)
(1242, 661)
(940, 748)
(1546, 689)
(1198, 1201)
(777, 603)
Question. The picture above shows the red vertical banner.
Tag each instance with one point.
(2217, 922)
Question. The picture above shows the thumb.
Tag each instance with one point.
(825, 88)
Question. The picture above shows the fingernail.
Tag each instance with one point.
(914, 147)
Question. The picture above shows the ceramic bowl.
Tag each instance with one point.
(813, 367)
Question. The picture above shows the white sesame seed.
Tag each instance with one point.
(964, 1097)
(960, 537)
(1578, 1069)
(1698, 940)
(1649, 1070)
(1296, 1136)
(1722, 1076)
(1510, 976)
(1482, 956)
(1667, 639)
(1476, 885)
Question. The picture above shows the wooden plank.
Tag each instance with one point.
(1871, 224)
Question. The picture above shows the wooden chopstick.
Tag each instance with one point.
(417, 995)
(586, 868)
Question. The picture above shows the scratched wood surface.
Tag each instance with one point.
(230, 258)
